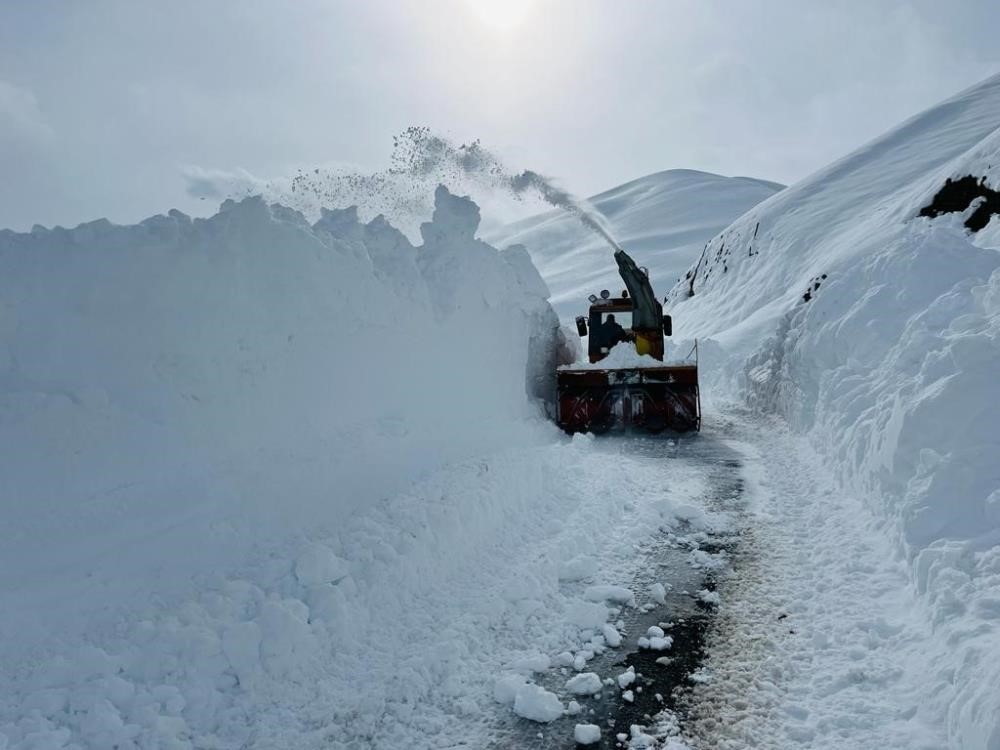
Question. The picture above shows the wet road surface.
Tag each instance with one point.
(661, 683)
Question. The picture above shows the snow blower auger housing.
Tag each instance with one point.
(632, 391)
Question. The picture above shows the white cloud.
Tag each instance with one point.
(585, 91)
(21, 120)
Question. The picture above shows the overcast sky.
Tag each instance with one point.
(105, 104)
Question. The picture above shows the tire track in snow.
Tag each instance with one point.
(815, 645)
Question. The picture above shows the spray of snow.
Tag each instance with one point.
(419, 153)
(667, 217)
(589, 216)
(419, 161)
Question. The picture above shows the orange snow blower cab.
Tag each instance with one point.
(627, 384)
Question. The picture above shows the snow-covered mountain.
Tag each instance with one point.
(875, 330)
(663, 219)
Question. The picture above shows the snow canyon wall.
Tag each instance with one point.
(876, 331)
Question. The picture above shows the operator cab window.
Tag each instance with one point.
(599, 342)
(624, 319)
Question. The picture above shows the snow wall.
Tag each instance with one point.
(877, 332)
(183, 400)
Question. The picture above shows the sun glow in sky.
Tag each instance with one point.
(101, 117)
(502, 15)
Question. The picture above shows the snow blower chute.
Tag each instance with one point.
(631, 391)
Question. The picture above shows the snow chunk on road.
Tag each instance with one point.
(709, 597)
(701, 676)
(628, 696)
(563, 659)
(606, 593)
(693, 515)
(586, 734)
(611, 636)
(654, 632)
(537, 704)
(506, 687)
(702, 560)
(655, 643)
(639, 739)
(318, 565)
(658, 593)
(626, 678)
(587, 615)
(531, 663)
(585, 683)
(578, 569)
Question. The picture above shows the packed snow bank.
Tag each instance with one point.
(664, 219)
(183, 401)
(877, 332)
(402, 627)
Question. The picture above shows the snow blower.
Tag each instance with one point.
(626, 384)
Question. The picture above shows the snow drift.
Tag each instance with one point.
(213, 406)
(664, 219)
(876, 331)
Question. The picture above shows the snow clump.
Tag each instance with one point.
(537, 704)
(586, 734)
(585, 683)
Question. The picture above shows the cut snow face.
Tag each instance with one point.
(200, 421)
(858, 305)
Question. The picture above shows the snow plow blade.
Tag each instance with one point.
(652, 399)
